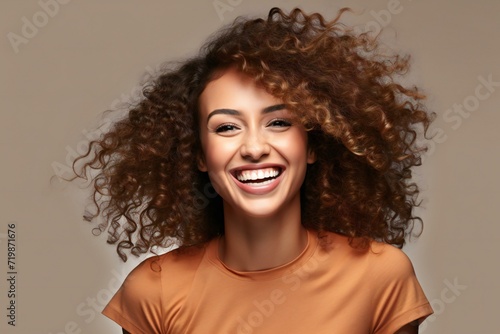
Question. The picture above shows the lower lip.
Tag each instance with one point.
(258, 189)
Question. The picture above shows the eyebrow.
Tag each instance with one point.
(236, 112)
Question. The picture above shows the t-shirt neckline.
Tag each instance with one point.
(212, 255)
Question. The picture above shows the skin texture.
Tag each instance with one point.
(242, 127)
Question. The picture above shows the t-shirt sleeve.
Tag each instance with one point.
(399, 299)
(136, 306)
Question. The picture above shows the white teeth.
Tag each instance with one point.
(257, 174)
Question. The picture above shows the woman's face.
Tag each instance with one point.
(255, 155)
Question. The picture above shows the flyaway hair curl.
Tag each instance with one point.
(362, 124)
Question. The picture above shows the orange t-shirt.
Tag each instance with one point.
(329, 288)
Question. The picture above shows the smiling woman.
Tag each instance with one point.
(260, 136)
(298, 125)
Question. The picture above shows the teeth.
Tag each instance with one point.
(257, 174)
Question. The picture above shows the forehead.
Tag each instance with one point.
(233, 89)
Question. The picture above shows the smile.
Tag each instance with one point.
(258, 176)
(258, 179)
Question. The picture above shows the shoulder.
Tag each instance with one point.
(378, 259)
(169, 269)
(152, 287)
(390, 263)
(381, 275)
(177, 262)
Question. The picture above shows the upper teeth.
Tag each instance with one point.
(256, 174)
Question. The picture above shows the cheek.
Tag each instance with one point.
(217, 157)
(294, 146)
(218, 154)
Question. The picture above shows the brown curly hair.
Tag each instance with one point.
(361, 123)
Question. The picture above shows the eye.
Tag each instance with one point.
(227, 127)
(280, 123)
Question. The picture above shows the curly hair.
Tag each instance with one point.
(361, 123)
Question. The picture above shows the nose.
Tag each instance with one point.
(254, 146)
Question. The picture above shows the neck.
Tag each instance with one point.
(259, 243)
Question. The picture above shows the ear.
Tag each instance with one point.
(200, 161)
(311, 156)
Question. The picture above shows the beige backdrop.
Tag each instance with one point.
(64, 62)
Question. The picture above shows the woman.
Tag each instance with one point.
(279, 161)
